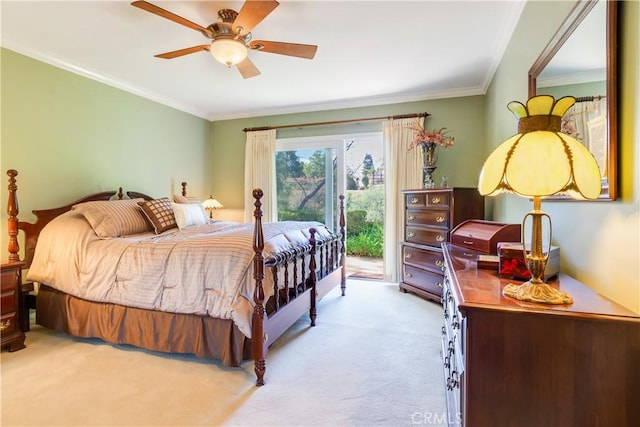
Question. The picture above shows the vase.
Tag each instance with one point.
(429, 160)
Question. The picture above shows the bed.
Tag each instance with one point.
(218, 290)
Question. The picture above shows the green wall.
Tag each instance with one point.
(464, 117)
(68, 136)
(599, 241)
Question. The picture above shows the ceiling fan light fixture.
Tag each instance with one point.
(228, 51)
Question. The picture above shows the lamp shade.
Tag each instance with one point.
(212, 203)
(229, 51)
(540, 160)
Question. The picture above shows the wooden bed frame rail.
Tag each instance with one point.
(270, 318)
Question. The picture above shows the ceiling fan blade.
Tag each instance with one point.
(248, 69)
(252, 13)
(170, 16)
(182, 52)
(307, 51)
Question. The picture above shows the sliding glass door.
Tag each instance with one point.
(309, 178)
(310, 175)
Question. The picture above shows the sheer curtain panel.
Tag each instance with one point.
(403, 171)
(260, 172)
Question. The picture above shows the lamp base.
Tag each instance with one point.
(536, 292)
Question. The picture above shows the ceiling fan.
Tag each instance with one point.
(231, 38)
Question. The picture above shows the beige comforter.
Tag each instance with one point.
(205, 270)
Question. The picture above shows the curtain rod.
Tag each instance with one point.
(401, 116)
(590, 98)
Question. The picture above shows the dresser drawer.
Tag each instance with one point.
(8, 323)
(424, 279)
(9, 280)
(426, 235)
(423, 258)
(11, 334)
(438, 199)
(431, 199)
(8, 302)
(434, 217)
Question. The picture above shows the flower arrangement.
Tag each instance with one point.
(568, 126)
(437, 137)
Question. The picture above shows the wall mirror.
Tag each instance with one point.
(581, 60)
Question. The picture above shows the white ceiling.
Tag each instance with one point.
(369, 52)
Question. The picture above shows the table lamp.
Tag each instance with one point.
(210, 204)
(540, 161)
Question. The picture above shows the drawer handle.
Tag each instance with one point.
(408, 275)
(440, 238)
(455, 323)
(467, 242)
(5, 325)
(439, 284)
(411, 218)
(440, 219)
(452, 381)
(414, 200)
(439, 263)
(407, 256)
(411, 234)
(435, 200)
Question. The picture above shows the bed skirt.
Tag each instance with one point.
(206, 337)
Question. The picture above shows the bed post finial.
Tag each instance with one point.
(12, 211)
(343, 263)
(312, 280)
(258, 337)
(184, 189)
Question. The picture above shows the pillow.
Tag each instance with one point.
(113, 218)
(178, 198)
(188, 214)
(159, 214)
(183, 200)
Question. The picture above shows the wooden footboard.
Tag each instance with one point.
(297, 294)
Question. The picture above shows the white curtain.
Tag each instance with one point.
(587, 122)
(403, 172)
(260, 172)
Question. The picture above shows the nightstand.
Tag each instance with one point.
(12, 307)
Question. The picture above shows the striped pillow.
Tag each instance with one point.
(114, 218)
(178, 198)
(160, 214)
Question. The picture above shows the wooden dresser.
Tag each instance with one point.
(11, 307)
(511, 363)
(430, 215)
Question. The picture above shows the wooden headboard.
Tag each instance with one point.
(44, 216)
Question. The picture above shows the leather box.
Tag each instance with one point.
(483, 236)
(513, 265)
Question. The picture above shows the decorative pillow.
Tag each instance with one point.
(160, 214)
(188, 214)
(114, 218)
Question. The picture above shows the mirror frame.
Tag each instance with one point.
(609, 190)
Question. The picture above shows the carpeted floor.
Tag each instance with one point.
(372, 360)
